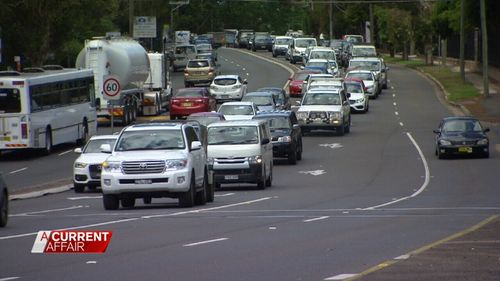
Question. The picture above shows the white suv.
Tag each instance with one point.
(155, 160)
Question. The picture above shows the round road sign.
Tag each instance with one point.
(111, 88)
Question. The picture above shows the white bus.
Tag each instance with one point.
(43, 108)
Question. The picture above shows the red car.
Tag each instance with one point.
(191, 100)
(297, 81)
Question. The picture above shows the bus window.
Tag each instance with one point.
(10, 101)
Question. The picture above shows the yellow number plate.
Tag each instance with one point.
(6, 138)
(187, 104)
(465, 149)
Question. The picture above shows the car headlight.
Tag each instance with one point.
(444, 142)
(302, 115)
(80, 165)
(210, 160)
(213, 87)
(175, 164)
(360, 100)
(111, 167)
(285, 139)
(257, 159)
(334, 115)
(237, 87)
(482, 142)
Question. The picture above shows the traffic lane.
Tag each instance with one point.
(469, 182)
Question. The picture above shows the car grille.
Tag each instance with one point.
(133, 181)
(352, 101)
(463, 142)
(95, 171)
(143, 167)
(317, 114)
(235, 160)
(231, 172)
(275, 138)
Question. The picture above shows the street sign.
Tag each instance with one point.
(145, 27)
(111, 88)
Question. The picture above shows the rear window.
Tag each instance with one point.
(198, 63)
(185, 50)
(354, 87)
(225, 81)
(362, 76)
(189, 94)
(10, 101)
(236, 110)
(259, 100)
(233, 135)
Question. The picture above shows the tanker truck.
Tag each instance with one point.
(127, 60)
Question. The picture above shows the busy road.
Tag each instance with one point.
(352, 202)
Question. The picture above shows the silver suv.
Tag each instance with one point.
(155, 160)
(325, 108)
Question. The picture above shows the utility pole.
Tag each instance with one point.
(131, 18)
(372, 26)
(462, 40)
(330, 12)
(484, 36)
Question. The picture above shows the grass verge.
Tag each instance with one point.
(451, 81)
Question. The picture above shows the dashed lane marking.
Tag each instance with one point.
(341, 276)
(18, 170)
(65, 152)
(316, 219)
(205, 242)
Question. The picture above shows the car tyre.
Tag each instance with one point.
(261, 184)
(79, 188)
(210, 190)
(269, 181)
(439, 154)
(48, 142)
(292, 156)
(274, 55)
(341, 130)
(215, 185)
(128, 202)
(186, 199)
(4, 209)
(299, 151)
(110, 201)
(348, 126)
(201, 196)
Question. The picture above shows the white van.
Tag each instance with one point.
(240, 152)
(298, 47)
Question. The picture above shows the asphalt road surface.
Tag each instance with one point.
(352, 202)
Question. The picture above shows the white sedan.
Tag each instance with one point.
(228, 88)
(87, 167)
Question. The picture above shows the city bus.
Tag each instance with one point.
(42, 108)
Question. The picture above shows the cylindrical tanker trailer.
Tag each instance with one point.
(125, 59)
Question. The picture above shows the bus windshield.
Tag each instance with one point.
(10, 101)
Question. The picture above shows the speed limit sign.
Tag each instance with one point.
(111, 88)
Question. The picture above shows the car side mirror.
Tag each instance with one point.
(78, 150)
(301, 67)
(265, 141)
(195, 145)
(297, 102)
(245, 82)
(105, 148)
(486, 130)
(437, 131)
(348, 95)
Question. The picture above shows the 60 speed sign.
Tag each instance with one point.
(111, 88)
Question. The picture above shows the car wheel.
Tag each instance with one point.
(201, 196)
(48, 142)
(79, 188)
(147, 200)
(274, 55)
(292, 61)
(348, 127)
(439, 154)
(299, 151)
(210, 190)
(4, 209)
(341, 130)
(292, 156)
(215, 185)
(110, 201)
(261, 184)
(128, 202)
(186, 199)
(85, 134)
(269, 181)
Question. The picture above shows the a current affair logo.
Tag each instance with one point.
(71, 241)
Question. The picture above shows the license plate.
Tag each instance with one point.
(225, 96)
(6, 138)
(187, 104)
(465, 149)
(143, 181)
(231, 177)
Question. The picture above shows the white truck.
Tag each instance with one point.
(128, 61)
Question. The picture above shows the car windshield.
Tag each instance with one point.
(233, 135)
(198, 63)
(277, 122)
(362, 76)
(189, 94)
(462, 126)
(322, 99)
(282, 41)
(259, 100)
(322, 55)
(236, 109)
(94, 146)
(317, 64)
(225, 81)
(204, 120)
(354, 88)
(336, 44)
(366, 52)
(304, 43)
(369, 65)
(150, 140)
(185, 50)
(203, 47)
(10, 101)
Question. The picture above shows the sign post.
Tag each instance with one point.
(111, 91)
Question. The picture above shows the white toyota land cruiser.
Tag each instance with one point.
(155, 160)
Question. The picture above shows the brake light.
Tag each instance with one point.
(199, 100)
(18, 83)
(210, 70)
(176, 101)
(24, 130)
(237, 87)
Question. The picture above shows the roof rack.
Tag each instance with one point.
(9, 73)
(33, 70)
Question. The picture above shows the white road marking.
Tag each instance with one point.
(205, 242)
(397, 113)
(341, 276)
(401, 124)
(238, 65)
(9, 278)
(65, 152)
(42, 192)
(272, 227)
(395, 104)
(232, 61)
(84, 197)
(393, 95)
(46, 211)
(403, 257)
(424, 185)
(314, 173)
(243, 69)
(392, 87)
(331, 145)
(225, 59)
(19, 170)
(248, 74)
(91, 262)
(316, 219)
(224, 195)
